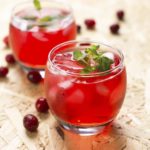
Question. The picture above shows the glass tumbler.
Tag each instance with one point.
(32, 32)
(84, 103)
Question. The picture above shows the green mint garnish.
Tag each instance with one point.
(41, 22)
(93, 59)
(45, 19)
(92, 51)
(78, 55)
(31, 18)
(37, 4)
(88, 69)
(104, 63)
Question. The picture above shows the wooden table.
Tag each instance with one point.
(131, 129)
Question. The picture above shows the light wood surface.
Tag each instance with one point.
(131, 129)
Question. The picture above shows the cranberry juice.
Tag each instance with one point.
(31, 41)
(84, 100)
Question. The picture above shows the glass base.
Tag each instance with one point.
(27, 69)
(85, 131)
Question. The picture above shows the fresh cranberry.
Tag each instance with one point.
(3, 71)
(78, 29)
(30, 122)
(10, 59)
(114, 28)
(6, 41)
(85, 44)
(90, 23)
(120, 14)
(41, 105)
(34, 76)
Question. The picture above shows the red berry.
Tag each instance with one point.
(10, 59)
(120, 14)
(30, 122)
(90, 23)
(34, 76)
(85, 44)
(6, 41)
(42, 105)
(78, 29)
(114, 28)
(3, 71)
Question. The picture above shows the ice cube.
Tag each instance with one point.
(40, 36)
(76, 97)
(66, 84)
(109, 55)
(102, 90)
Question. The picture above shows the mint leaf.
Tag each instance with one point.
(94, 47)
(45, 19)
(88, 69)
(77, 55)
(92, 51)
(37, 4)
(104, 63)
(30, 18)
(40, 20)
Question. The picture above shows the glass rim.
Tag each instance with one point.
(120, 65)
(13, 13)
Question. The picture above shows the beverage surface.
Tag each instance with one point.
(33, 20)
(86, 61)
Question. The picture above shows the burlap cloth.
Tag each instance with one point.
(131, 129)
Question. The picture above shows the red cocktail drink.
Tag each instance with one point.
(82, 99)
(33, 33)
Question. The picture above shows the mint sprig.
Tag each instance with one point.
(37, 4)
(92, 59)
(45, 19)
